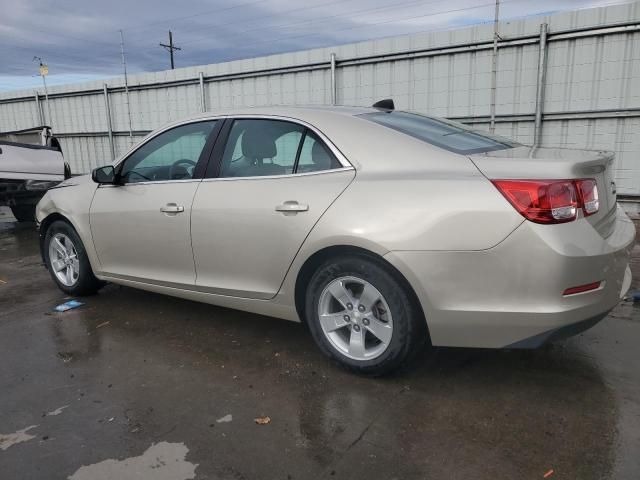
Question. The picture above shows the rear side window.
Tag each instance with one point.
(452, 136)
(315, 156)
(260, 147)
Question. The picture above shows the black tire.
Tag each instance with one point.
(24, 213)
(410, 332)
(86, 283)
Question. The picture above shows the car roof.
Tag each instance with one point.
(301, 112)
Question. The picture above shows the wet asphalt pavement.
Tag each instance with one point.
(166, 387)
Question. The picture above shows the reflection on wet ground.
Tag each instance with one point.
(134, 369)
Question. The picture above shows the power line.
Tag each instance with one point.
(359, 27)
(70, 37)
(195, 15)
(313, 20)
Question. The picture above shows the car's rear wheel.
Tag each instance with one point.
(24, 213)
(362, 315)
(67, 260)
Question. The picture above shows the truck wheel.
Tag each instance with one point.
(24, 213)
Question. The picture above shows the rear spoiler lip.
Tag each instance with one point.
(585, 163)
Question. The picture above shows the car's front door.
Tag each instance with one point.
(273, 181)
(140, 228)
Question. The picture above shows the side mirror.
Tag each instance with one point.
(104, 175)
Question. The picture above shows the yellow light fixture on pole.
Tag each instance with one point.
(44, 71)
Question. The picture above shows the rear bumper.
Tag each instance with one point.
(22, 192)
(511, 295)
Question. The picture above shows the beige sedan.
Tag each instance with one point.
(382, 230)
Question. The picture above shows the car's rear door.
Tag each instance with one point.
(141, 228)
(270, 181)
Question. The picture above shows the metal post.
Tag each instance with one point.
(46, 99)
(333, 79)
(203, 101)
(126, 83)
(542, 70)
(494, 69)
(39, 108)
(107, 108)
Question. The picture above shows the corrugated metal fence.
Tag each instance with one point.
(578, 73)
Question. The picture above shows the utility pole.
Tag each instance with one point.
(44, 71)
(170, 48)
(494, 69)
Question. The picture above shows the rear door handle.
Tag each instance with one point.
(172, 208)
(291, 206)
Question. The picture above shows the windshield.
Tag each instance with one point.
(452, 136)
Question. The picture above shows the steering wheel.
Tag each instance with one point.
(177, 163)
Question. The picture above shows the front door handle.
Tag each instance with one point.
(172, 208)
(291, 206)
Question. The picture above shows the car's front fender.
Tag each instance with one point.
(71, 201)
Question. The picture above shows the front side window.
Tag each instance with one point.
(172, 155)
(452, 136)
(258, 148)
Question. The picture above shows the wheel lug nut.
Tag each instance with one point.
(349, 306)
(365, 321)
(356, 328)
(361, 308)
(347, 318)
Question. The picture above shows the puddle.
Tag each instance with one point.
(162, 461)
(57, 411)
(20, 436)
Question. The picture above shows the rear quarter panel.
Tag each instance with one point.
(408, 196)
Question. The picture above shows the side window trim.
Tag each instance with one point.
(214, 163)
(300, 145)
(207, 151)
(198, 173)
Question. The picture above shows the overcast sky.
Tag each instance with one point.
(79, 39)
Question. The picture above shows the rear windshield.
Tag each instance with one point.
(452, 136)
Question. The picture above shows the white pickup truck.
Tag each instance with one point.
(31, 162)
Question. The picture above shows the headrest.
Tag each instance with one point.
(320, 156)
(258, 144)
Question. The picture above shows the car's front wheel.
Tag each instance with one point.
(67, 260)
(361, 314)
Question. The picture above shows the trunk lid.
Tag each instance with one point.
(535, 163)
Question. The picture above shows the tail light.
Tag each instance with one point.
(588, 192)
(550, 201)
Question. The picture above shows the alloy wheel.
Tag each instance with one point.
(63, 259)
(355, 318)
